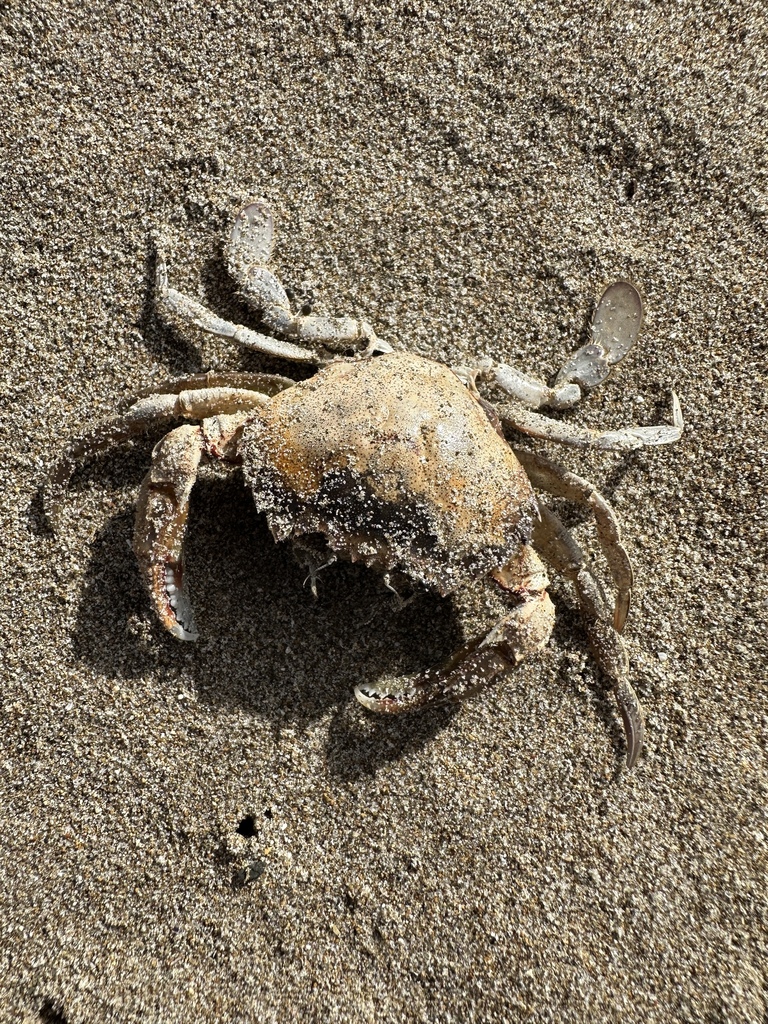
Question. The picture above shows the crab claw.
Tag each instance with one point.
(477, 669)
(476, 665)
(161, 518)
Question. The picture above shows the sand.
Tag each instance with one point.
(468, 178)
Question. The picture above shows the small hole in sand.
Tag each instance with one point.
(50, 1014)
(247, 827)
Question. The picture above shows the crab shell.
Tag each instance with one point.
(396, 464)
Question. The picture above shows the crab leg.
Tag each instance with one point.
(548, 476)
(263, 383)
(161, 519)
(584, 437)
(153, 409)
(267, 296)
(615, 327)
(248, 252)
(169, 301)
(562, 552)
(485, 660)
(147, 411)
(526, 389)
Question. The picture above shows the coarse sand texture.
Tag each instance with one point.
(211, 832)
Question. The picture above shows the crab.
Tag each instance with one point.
(392, 460)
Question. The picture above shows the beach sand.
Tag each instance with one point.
(468, 178)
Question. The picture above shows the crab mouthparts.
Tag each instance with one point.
(386, 702)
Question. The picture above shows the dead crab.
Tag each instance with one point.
(392, 460)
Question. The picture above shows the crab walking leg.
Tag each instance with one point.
(548, 476)
(263, 383)
(264, 292)
(161, 519)
(169, 302)
(615, 327)
(629, 438)
(248, 252)
(147, 411)
(486, 660)
(561, 551)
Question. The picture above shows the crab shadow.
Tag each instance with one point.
(266, 644)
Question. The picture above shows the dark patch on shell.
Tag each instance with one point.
(397, 465)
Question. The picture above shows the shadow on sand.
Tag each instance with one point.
(266, 644)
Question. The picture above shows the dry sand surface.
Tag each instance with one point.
(468, 178)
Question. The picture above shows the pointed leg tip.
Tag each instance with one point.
(634, 730)
(677, 413)
(161, 277)
(633, 753)
(621, 612)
